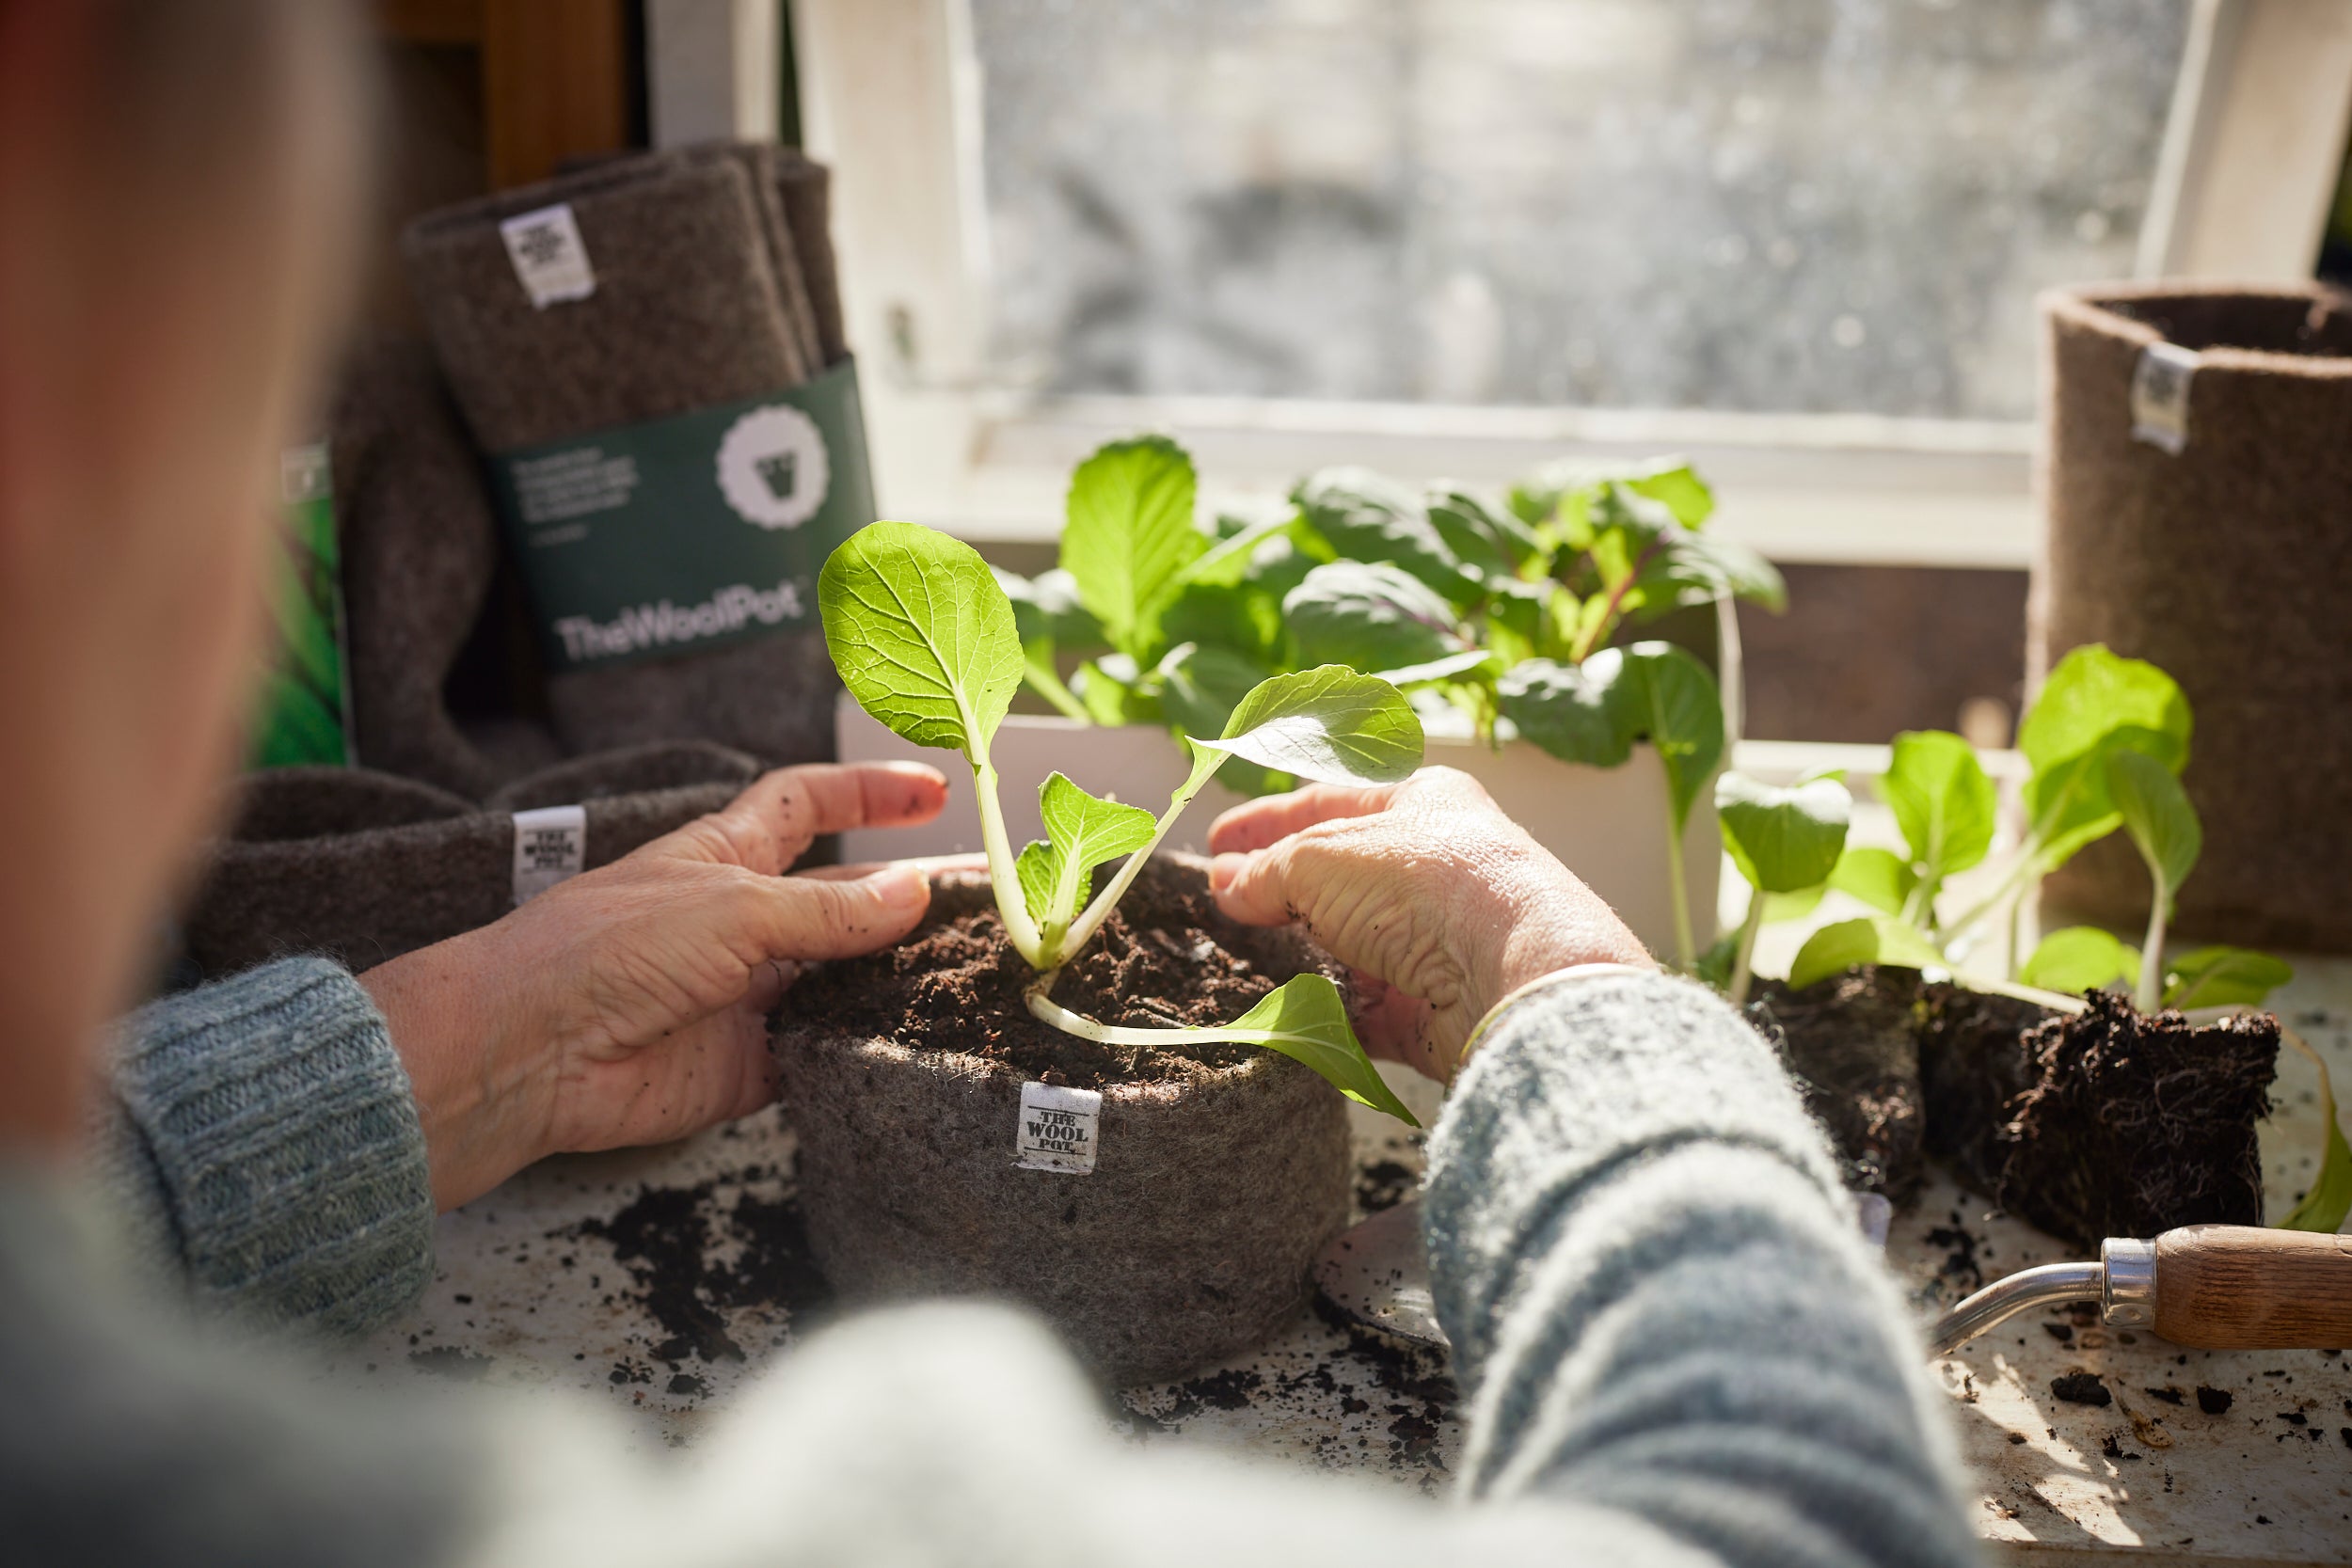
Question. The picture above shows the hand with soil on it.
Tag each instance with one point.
(629, 1005)
(1441, 904)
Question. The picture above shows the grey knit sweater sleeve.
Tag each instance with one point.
(260, 1146)
(1658, 1294)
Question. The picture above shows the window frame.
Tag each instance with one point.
(889, 91)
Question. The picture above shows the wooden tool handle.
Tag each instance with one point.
(2235, 1286)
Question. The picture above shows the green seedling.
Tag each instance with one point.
(930, 644)
(1785, 842)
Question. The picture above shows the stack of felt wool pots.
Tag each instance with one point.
(2197, 485)
(696, 279)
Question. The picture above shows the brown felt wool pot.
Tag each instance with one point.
(363, 866)
(1190, 1240)
(2228, 564)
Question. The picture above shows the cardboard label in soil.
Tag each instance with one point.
(688, 533)
(1057, 1129)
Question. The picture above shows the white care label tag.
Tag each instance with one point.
(2160, 396)
(550, 843)
(1057, 1129)
(549, 261)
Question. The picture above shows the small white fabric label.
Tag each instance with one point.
(303, 474)
(551, 262)
(1057, 1128)
(2160, 396)
(550, 843)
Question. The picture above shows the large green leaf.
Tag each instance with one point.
(1880, 877)
(1682, 567)
(1329, 725)
(1306, 1020)
(1566, 708)
(1872, 939)
(1665, 695)
(1368, 616)
(1482, 537)
(2094, 702)
(924, 638)
(1364, 516)
(1227, 560)
(1471, 665)
(1082, 830)
(2080, 958)
(1243, 619)
(2157, 814)
(1943, 802)
(1199, 689)
(1130, 535)
(1047, 608)
(1784, 839)
(2224, 977)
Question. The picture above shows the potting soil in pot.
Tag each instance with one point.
(1218, 1172)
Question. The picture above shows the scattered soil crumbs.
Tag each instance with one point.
(2214, 1401)
(1383, 1185)
(464, 1366)
(1166, 957)
(2136, 1125)
(2081, 1389)
(669, 1238)
(1848, 1043)
(1390, 1394)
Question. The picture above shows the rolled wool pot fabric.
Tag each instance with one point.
(419, 548)
(687, 312)
(805, 188)
(363, 866)
(2229, 564)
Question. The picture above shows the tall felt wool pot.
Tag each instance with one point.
(2229, 563)
(1191, 1238)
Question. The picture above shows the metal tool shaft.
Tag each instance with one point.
(2004, 1298)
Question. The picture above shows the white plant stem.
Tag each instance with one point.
(1686, 949)
(2152, 956)
(1745, 953)
(1019, 929)
(1204, 766)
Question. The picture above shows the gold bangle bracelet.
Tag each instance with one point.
(1541, 982)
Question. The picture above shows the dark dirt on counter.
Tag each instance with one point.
(1165, 957)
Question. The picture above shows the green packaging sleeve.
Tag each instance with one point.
(690, 532)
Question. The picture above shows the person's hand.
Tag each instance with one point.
(629, 1005)
(1442, 905)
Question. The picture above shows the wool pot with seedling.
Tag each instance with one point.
(1078, 1087)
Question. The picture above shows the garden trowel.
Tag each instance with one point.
(2209, 1287)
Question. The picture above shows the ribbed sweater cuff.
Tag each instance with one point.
(1573, 1084)
(276, 1130)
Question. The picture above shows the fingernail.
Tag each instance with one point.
(1223, 869)
(900, 884)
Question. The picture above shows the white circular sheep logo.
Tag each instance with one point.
(772, 468)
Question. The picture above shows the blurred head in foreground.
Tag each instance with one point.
(180, 181)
